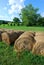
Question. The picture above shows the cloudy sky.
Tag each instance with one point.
(11, 8)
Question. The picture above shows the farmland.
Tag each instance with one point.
(21, 32)
(9, 57)
(23, 28)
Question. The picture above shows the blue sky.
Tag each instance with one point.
(11, 8)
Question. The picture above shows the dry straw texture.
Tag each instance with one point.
(39, 36)
(1, 31)
(25, 41)
(0, 36)
(38, 48)
(9, 36)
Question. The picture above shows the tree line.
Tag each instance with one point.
(29, 16)
(4, 22)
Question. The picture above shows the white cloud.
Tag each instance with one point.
(11, 2)
(42, 14)
(13, 17)
(15, 6)
(12, 9)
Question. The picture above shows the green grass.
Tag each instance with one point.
(9, 57)
(23, 28)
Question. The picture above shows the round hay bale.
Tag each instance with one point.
(8, 30)
(39, 33)
(9, 37)
(19, 32)
(1, 31)
(27, 34)
(38, 48)
(0, 36)
(25, 41)
(39, 37)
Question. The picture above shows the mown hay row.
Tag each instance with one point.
(25, 41)
(38, 48)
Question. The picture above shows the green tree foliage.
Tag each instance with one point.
(41, 21)
(16, 21)
(4, 22)
(29, 15)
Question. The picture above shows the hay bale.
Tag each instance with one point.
(1, 31)
(38, 48)
(25, 41)
(27, 34)
(0, 36)
(8, 30)
(19, 32)
(39, 37)
(9, 37)
(39, 33)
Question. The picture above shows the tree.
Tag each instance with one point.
(29, 15)
(16, 20)
(4, 22)
(41, 21)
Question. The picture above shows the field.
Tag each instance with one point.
(9, 57)
(23, 28)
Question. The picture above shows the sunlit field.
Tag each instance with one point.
(23, 28)
(21, 32)
(9, 57)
